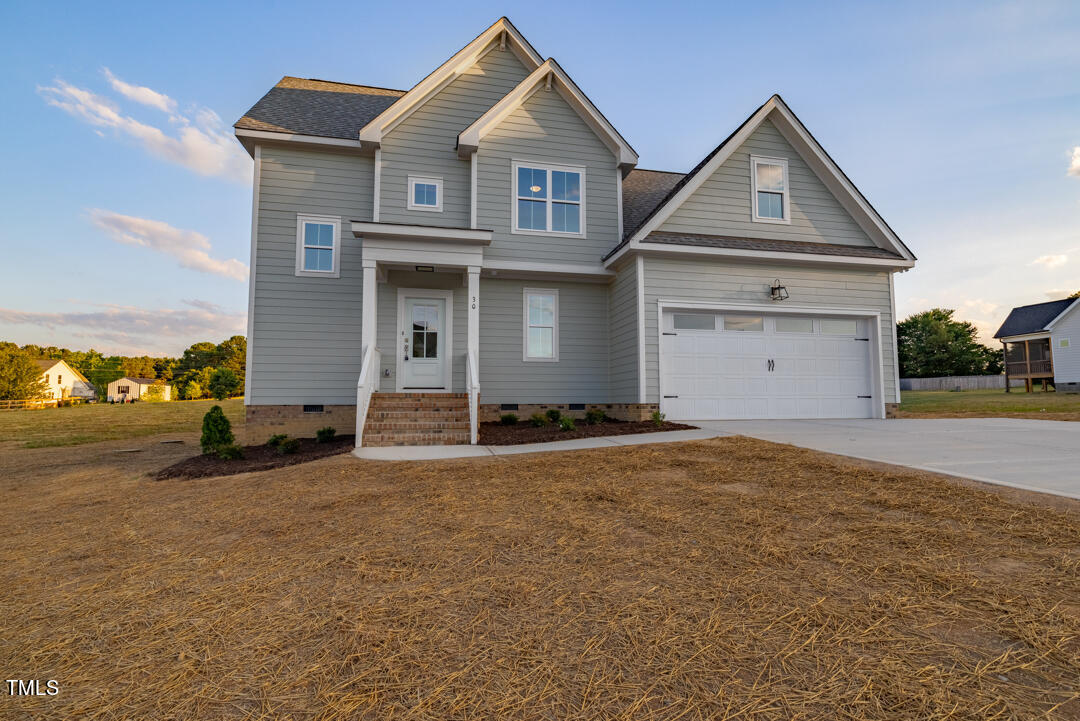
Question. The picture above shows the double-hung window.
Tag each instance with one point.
(548, 199)
(425, 194)
(771, 196)
(318, 246)
(541, 325)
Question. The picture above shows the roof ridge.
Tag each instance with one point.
(340, 82)
(650, 170)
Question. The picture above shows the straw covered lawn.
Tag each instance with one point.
(723, 579)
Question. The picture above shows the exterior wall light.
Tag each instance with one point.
(778, 292)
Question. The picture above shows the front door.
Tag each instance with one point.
(423, 344)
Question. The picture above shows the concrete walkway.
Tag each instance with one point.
(1031, 454)
(428, 453)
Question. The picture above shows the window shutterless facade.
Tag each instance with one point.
(540, 321)
(770, 190)
(547, 199)
(425, 193)
(318, 246)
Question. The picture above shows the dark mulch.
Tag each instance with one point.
(493, 433)
(256, 458)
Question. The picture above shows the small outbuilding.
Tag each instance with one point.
(1042, 344)
(127, 388)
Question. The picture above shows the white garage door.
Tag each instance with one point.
(739, 366)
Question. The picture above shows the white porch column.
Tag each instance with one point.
(368, 311)
(474, 314)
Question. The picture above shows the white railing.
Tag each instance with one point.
(472, 385)
(365, 386)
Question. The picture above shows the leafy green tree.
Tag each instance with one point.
(198, 356)
(932, 344)
(138, 366)
(195, 384)
(154, 393)
(223, 383)
(232, 354)
(20, 378)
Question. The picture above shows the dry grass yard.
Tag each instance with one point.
(104, 421)
(990, 404)
(728, 579)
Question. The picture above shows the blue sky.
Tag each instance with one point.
(127, 203)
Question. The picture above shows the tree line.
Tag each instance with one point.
(204, 370)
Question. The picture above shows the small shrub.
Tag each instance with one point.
(538, 420)
(567, 424)
(325, 435)
(554, 415)
(658, 418)
(290, 445)
(594, 416)
(276, 439)
(216, 431)
(230, 453)
(508, 419)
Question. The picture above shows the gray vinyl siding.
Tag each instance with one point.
(623, 358)
(722, 205)
(748, 283)
(1067, 360)
(547, 130)
(425, 143)
(581, 373)
(387, 318)
(306, 343)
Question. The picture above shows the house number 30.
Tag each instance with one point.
(474, 303)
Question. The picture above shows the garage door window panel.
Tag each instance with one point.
(694, 321)
(744, 323)
(839, 326)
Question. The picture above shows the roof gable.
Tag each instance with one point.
(549, 75)
(501, 34)
(317, 107)
(812, 153)
(1035, 318)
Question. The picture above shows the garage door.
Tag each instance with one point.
(739, 366)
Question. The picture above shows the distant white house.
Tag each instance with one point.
(127, 388)
(63, 381)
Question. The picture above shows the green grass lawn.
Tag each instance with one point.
(105, 422)
(989, 402)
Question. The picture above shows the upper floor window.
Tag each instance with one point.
(425, 194)
(548, 199)
(541, 325)
(318, 245)
(769, 177)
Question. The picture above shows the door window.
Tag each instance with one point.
(425, 329)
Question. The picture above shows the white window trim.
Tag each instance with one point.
(333, 220)
(515, 163)
(1064, 344)
(756, 160)
(427, 180)
(525, 293)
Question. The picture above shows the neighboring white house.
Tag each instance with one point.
(126, 388)
(63, 381)
(1042, 343)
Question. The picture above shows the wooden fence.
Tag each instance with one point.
(32, 403)
(952, 383)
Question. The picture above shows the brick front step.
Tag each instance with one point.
(417, 419)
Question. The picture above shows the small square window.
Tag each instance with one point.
(744, 323)
(425, 194)
(1063, 343)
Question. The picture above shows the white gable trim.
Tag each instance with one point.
(502, 33)
(1069, 309)
(814, 155)
(548, 75)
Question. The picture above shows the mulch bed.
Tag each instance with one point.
(493, 433)
(256, 458)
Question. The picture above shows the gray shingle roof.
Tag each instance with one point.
(1032, 318)
(781, 246)
(318, 107)
(642, 191)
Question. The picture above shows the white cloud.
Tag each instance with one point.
(980, 307)
(1051, 261)
(202, 144)
(128, 329)
(1074, 166)
(187, 246)
(141, 93)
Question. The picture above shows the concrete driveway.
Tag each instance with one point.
(1031, 454)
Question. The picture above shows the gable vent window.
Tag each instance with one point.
(318, 246)
(771, 201)
(548, 199)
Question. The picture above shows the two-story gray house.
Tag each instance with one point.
(484, 243)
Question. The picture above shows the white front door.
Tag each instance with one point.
(422, 344)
